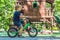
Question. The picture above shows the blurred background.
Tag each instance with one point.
(7, 10)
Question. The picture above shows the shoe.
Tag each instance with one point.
(21, 36)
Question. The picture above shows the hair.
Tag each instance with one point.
(18, 6)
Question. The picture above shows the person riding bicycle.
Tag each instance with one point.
(16, 18)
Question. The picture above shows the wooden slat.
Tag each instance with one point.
(39, 16)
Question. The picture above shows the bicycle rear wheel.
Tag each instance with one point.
(12, 32)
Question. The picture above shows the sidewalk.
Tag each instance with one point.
(41, 35)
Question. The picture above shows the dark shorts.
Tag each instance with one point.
(17, 23)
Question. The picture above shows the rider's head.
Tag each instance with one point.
(18, 7)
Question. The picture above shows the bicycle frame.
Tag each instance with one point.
(26, 26)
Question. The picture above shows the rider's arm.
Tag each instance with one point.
(21, 16)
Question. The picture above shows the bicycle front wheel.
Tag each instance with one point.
(33, 32)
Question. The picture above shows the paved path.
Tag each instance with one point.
(29, 38)
(40, 37)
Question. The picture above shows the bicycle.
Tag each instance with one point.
(32, 31)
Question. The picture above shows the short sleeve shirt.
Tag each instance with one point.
(16, 16)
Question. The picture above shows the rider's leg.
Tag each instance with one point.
(16, 27)
(20, 30)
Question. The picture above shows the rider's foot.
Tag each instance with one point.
(20, 36)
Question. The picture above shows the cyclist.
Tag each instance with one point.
(16, 18)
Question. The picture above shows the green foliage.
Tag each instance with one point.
(6, 12)
(48, 5)
(48, 25)
(57, 19)
(34, 4)
(57, 7)
(38, 26)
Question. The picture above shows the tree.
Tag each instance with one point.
(6, 11)
(57, 7)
